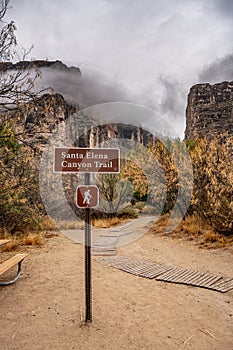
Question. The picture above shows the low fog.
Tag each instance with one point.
(146, 52)
(83, 90)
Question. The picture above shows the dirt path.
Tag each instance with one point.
(45, 308)
(106, 241)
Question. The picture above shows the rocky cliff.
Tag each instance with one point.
(24, 65)
(209, 110)
(38, 119)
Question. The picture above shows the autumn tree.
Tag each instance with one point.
(213, 178)
(197, 178)
(20, 205)
(115, 192)
(162, 174)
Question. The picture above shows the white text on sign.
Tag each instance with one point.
(87, 160)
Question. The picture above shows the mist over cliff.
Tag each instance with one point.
(84, 90)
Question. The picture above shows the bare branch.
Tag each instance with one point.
(3, 8)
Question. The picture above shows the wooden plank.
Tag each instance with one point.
(154, 274)
(186, 277)
(6, 265)
(225, 281)
(183, 276)
(223, 286)
(200, 277)
(146, 270)
(129, 268)
(176, 275)
(171, 274)
(222, 289)
(143, 269)
(194, 278)
(167, 275)
(219, 284)
(156, 271)
(228, 279)
(227, 289)
(210, 282)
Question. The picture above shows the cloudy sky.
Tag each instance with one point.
(148, 52)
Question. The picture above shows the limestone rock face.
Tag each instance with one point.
(38, 120)
(209, 110)
(23, 65)
(41, 117)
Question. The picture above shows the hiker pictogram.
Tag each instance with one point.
(87, 197)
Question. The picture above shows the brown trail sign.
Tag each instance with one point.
(87, 160)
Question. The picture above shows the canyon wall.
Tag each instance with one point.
(209, 110)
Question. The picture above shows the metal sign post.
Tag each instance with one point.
(88, 258)
(87, 196)
(87, 160)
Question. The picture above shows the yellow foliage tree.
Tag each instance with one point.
(213, 182)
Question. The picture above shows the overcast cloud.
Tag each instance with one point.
(219, 70)
(145, 51)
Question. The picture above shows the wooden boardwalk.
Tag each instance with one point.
(109, 239)
(169, 273)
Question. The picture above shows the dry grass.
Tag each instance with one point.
(12, 245)
(139, 205)
(123, 216)
(128, 213)
(194, 229)
(46, 229)
(212, 239)
(32, 239)
(163, 220)
(108, 222)
(48, 224)
(67, 224)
